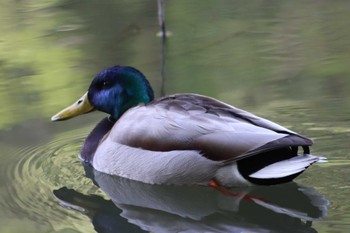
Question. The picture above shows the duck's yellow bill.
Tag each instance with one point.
(80, 107)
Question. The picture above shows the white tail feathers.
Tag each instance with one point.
(287, 167)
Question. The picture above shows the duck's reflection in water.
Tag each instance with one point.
(154, 208)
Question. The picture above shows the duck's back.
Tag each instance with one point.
(194, 122)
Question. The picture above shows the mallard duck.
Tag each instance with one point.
(183, 138)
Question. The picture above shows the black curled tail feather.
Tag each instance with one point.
(255, 163)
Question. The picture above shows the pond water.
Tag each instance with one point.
(287, 61)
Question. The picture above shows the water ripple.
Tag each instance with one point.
(39, 170)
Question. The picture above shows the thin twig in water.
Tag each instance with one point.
(161, 21)
(161, 18)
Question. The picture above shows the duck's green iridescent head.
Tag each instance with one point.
(113, 90)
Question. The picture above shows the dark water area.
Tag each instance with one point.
(287, 61)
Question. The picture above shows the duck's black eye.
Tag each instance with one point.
(106, 84)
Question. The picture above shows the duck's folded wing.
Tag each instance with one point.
(192, 122)
(228, 145)
(214, 106)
